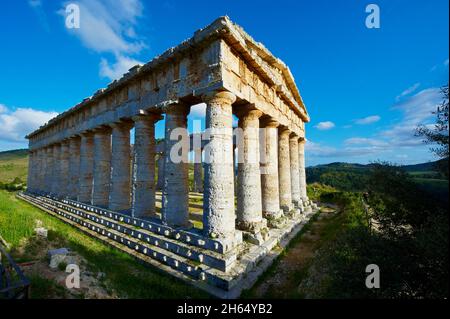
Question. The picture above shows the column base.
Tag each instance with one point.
(231, 242)
(275, 219)
(255, 233)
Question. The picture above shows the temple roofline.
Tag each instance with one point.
(221, 28)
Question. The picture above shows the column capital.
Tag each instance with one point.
(150, 117)
(293, 136)
(284, 131)
(122, 124)
(219, 96)
(104, 129)
(177, 108)
(269, 122)
(246, 114)
(301, 140)
(86, 133)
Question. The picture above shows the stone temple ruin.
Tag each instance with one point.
(79, 166)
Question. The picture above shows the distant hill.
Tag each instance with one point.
(14, 154)
(344, 176)
(354, 177)
(13, 164)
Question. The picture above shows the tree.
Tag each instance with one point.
(439, 134)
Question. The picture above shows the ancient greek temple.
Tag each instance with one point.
(85, 170)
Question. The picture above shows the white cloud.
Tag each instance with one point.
(408, 91)
(368, 120)
(323, 126)
(3, 108)
(420, 106)
(109, 26)
(118, 68)
(15, 124)
(395, 141)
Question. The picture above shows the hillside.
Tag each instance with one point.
(344, 176)
(13, 164)
(353, 177)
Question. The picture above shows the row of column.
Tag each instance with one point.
(94, 167)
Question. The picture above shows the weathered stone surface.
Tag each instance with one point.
(160, 163)
(198, 171)
(218, 211)
(56, 170)
(119, 196)
(74, 167)
(295, 177)
(302, 173)
(58, 256)
(269, 173)
(143, 203)
(175, 206)
(86, 167)
(102, 167)
(64, 169)
(41, 232)
(284, 170)
(249, 207)
(49, 171)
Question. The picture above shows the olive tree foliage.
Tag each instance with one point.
(438, 135)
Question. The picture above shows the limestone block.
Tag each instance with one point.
(119, 197)
(175, 197)
(284, 170)
(102, 167)
(218, 209)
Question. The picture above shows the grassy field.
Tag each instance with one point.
(123, 275)
(13, 164)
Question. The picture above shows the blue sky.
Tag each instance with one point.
(365, 89)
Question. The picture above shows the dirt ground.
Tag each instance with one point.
(291, 268)
(51, 283)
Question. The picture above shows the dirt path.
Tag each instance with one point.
(284, 278)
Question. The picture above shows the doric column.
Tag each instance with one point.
(31, 171)
(269, 167)
(249, 206)
(102, 167)
(64, 169)
(119, 197)
(42, 169)
(143, 200)
(175, 201)
(198, 170)
(160, 182)
(38, 172)
(74, 167)
(302, 173)
(56, 170)
(218, 207)
(295, 178)
(86, 167)
(284, 169)
(49, 169)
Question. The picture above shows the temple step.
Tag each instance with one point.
(143, 251)
(143, 236)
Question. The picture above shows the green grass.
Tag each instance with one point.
(13, 164)
(128, 278)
